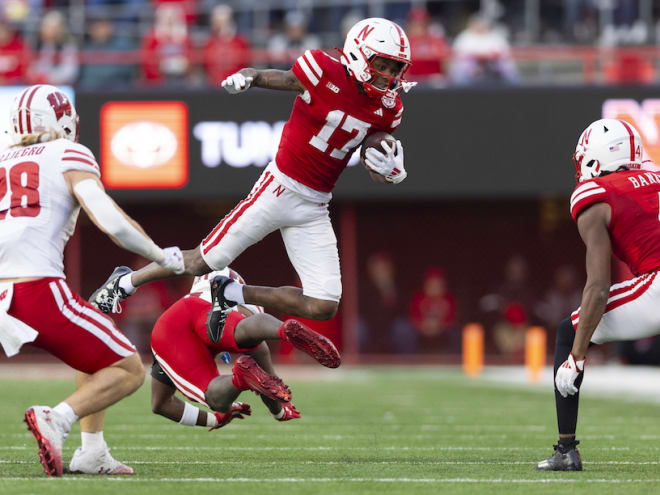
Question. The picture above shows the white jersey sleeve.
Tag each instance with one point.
(76, 156)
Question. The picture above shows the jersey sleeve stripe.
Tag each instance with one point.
(312, 62)
(81, 160)
(396, 122)
(586, 194)
(398, 114)
(583, 188)
(91, 157)
(308, 72)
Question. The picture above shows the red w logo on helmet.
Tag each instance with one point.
(60, 104)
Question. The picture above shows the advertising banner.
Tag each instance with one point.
(468, 143)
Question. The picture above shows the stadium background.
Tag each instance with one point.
(482, 221)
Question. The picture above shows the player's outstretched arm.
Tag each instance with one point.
(592, 225)
(111, 219)
(283, 80)
(193, 262)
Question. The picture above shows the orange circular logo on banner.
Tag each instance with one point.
(144, 144)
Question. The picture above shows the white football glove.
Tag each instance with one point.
(388, 164)
(173, 260)
(236, 83)
(567, 374)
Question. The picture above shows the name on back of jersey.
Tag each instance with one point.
(22, 152)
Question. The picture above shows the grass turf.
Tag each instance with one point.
(365, 431)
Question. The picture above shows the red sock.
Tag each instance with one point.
(236, 382)
(281, 334)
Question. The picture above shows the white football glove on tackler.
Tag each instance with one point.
(388, 164)
(237, 83)
(173, 260)
(567, 374)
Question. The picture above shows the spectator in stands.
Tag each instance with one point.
(514, 289)
(482, 56)
(509, 331)
(188, 7)
(109, 68)
(429, 49)
(433, 313)
(284, 47)
(562, 298)
(56, 60)
(628, 66)
(14, 55)
(166, 49)
(384, 327)
(226, 51)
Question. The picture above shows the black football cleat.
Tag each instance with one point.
(107, 297)
(565, 458)
(215, 321)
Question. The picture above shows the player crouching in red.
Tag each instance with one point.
(185, 347)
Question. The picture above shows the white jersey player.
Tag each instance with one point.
(45, 177)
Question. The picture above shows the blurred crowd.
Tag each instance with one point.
(430, 319)
(115, 43)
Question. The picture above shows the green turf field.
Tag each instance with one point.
(365, 431)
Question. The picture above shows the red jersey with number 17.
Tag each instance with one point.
(634, 199)
(329, 121)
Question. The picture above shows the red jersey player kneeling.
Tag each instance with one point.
(616, 205)
(184, 359)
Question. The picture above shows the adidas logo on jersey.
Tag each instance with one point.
(379, 112)
(332, 87)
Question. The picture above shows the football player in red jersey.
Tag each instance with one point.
(616, 205)
(184, 359)
(339, 103)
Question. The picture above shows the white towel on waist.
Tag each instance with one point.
(13, 332)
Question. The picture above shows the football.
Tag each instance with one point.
(373, 141)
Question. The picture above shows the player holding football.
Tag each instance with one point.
(44, 180)
(184, 359)
(338, 104)
(616, 206)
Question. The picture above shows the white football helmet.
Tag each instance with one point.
(376, 37)
(607, 145)
(43, 108)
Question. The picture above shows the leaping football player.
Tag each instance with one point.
(45, 178)
(184, 359)
(616, 205)
(339, 102)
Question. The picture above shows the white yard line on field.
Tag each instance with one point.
(374, 448)
(503, 481)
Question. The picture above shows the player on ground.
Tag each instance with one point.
(338, 104)
(616, 208)
(184, 359)
(44, 180)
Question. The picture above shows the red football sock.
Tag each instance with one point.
(236, 382)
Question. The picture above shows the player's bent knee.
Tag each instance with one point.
(565, 333)
(135, 369)
(215, 396)
(321, 309)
